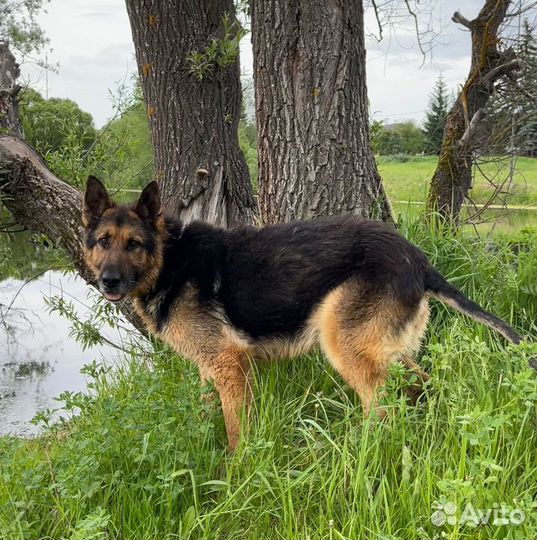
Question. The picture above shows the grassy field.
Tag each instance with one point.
(145, 458)
(409, 180)
(407, 183)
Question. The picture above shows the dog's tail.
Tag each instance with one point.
(440, 289)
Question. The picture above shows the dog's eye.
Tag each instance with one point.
(132, 245)
(104, 242)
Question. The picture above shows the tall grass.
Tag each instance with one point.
(145, 457)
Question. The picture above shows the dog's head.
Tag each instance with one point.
(123, 244)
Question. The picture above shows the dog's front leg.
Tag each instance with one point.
(230, 372)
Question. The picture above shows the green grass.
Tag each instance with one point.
(409, 180)
(146, 459)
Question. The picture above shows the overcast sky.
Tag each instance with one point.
(91, 42)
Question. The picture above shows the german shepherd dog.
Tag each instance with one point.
(223, 297)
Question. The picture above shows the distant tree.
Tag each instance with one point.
(376, 129)
(248, 144)
(121, 153)
(19, 33)
(48, 123)
(435, 117)
(523, 93)
(132, 165)
(403, 138)
(413, 138)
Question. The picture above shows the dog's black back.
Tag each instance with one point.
(269, 280)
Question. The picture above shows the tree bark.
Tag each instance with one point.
(452, 179)
(314, 147)
(39, 200)
(9, 109)
(193, 122)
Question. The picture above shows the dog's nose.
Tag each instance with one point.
(110, 279)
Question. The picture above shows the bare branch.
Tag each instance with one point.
(471, 128)
(377, 17)
(460, 19)
(417, 27)
(503, 69)
(523, 10)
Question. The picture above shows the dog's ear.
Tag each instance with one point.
(96, 201)
(148, 206)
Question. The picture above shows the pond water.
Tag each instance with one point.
(39, 359)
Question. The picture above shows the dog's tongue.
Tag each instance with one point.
(113, 297)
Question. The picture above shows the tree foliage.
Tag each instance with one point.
(435, 118)
(19, 26)
(404, 138)
(120, 152)
(248, 144)
(528, 103)
(49, 123)
(528, 53)
(131, 165)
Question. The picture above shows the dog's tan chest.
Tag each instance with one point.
(194, 331)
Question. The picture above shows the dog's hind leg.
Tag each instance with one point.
(354, 348)
(412, 336)
(364, 374)
(362, 334)
(365, 371)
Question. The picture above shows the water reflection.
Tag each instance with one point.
(38, 357)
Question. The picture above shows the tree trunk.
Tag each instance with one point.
(315, 155)
(452, 179)
(41, 201)
(192, 90)
(9, 109)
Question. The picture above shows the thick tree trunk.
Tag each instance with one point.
(315, 155)
(452, 179)
(193, 122)
(9, 110)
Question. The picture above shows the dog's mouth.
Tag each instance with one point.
(113, 297)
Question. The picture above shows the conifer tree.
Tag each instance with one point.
(436, 115)
(528, 98)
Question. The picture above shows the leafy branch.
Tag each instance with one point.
(221, 52)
